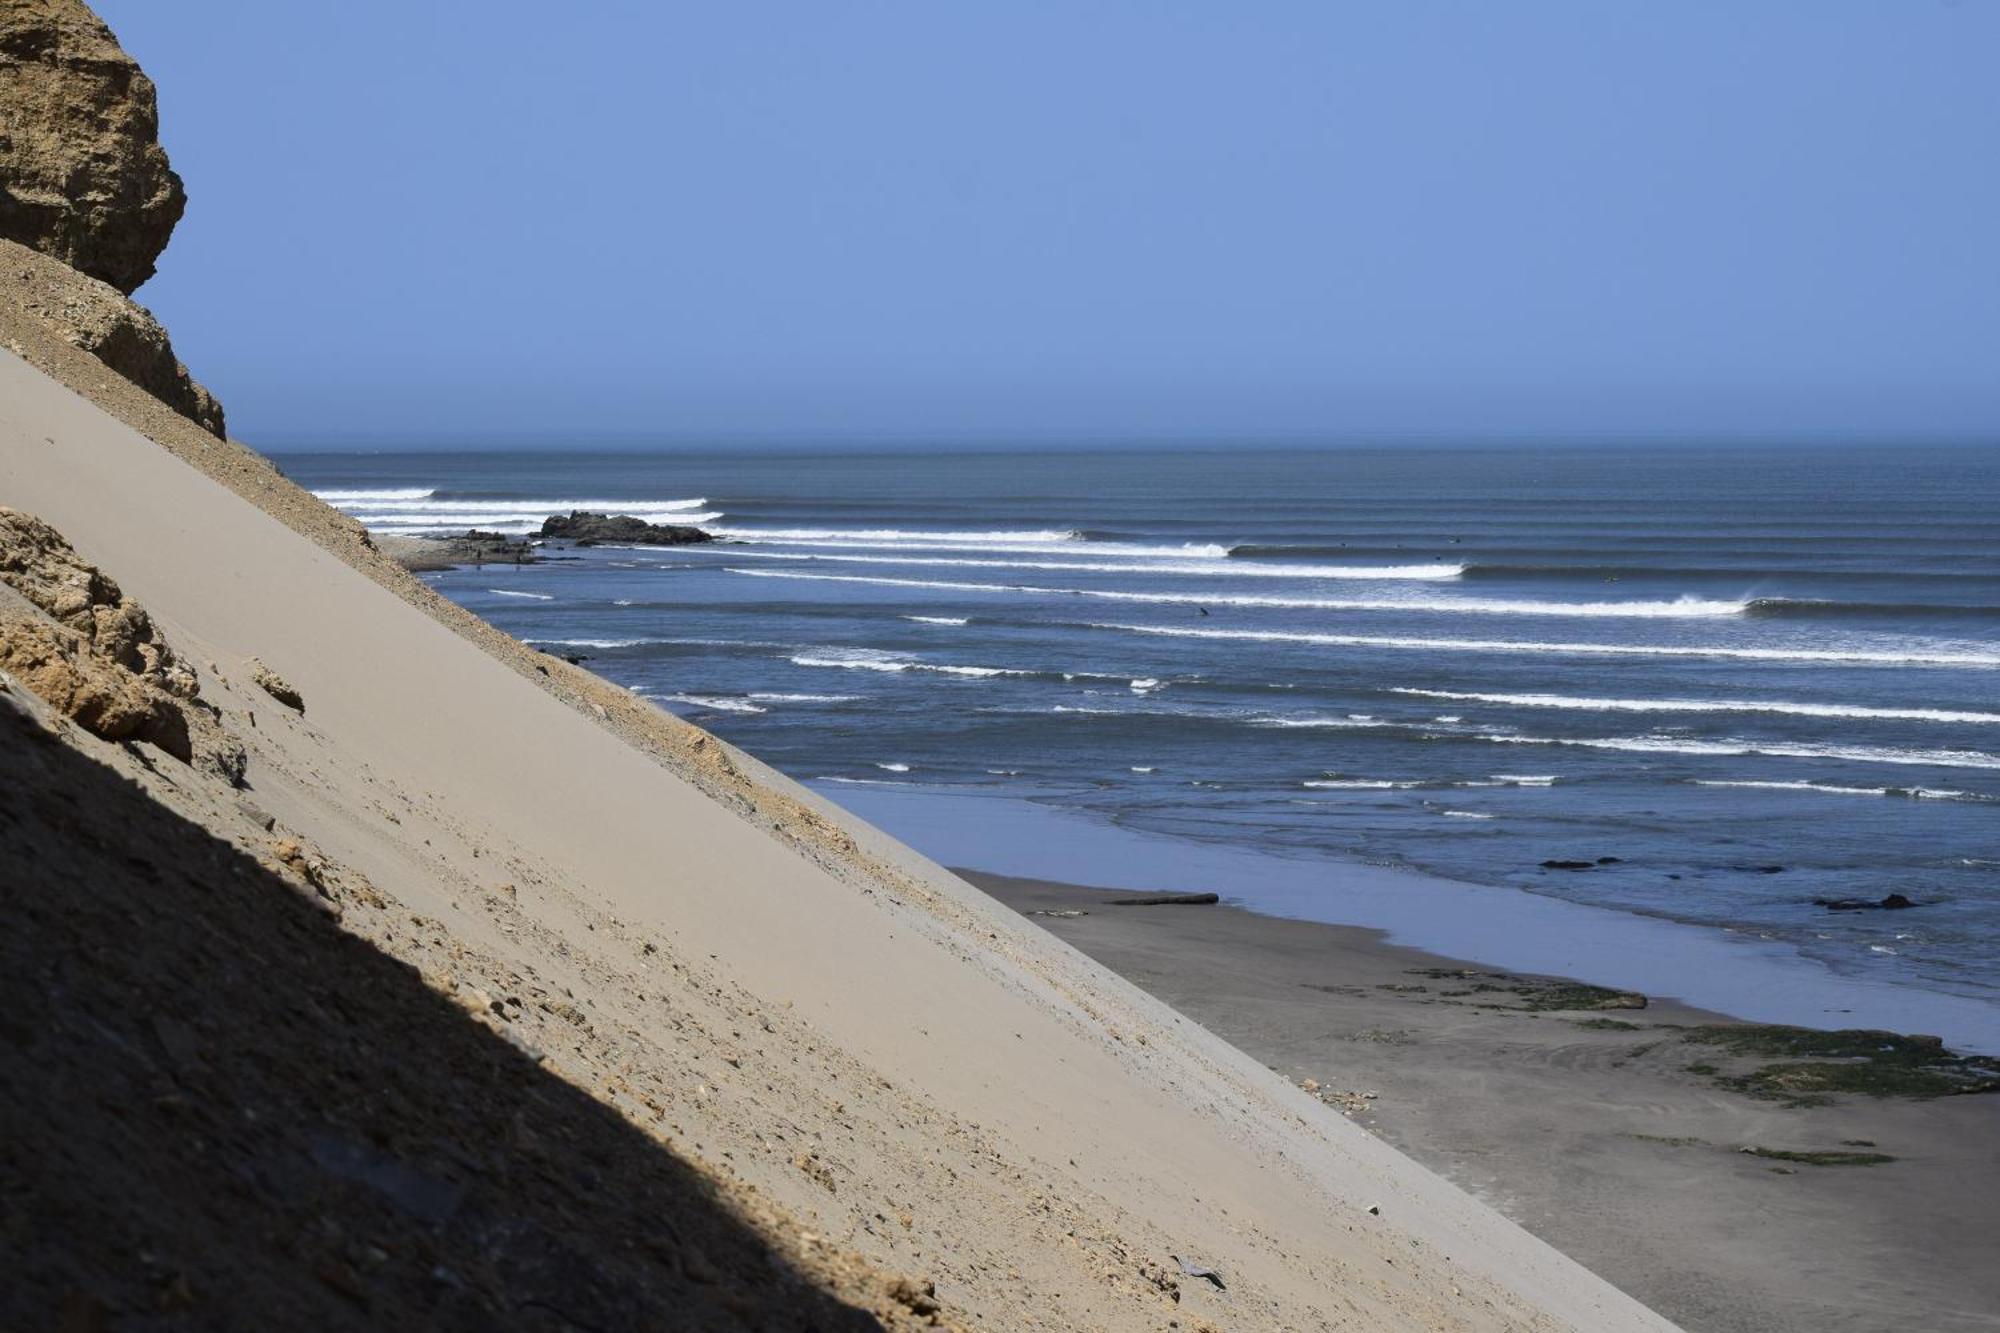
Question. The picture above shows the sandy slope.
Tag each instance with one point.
(886, 1056)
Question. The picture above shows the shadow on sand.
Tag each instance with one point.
(219, 1110)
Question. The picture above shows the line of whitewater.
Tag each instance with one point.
(1903, 658)
(413, 510)
(1680, 608)
(1860, 754)
(1707, 706)
(1831, 789)
(1204, 567)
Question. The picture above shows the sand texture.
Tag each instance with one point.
(1594, 1127)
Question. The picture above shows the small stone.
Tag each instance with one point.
(519, 1041)
(276, 686)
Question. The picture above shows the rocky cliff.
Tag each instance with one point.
(84, 182)
(82, 173)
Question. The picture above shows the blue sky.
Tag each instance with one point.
(1420, 219)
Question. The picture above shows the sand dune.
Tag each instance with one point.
(894, 1067)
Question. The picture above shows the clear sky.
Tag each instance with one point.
(1404, 218)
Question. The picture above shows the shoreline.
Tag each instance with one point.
(1587, 1126)
(1711, 968)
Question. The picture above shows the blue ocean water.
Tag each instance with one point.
(1705, 663)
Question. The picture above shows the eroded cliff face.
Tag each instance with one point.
(87, 198)
(82, 173)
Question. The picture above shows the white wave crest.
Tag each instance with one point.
(413, 512)
(1710, 706)
(870, 659)
(721, 703)
(532, 596)
(999, 543)
(1323, 723)
(375, 496)
(1359, 784)
(939, 620)
(879, 536)
(419, 502)
(1683, 607)
(1913, 793)
(1860, 754)
(1912, 657)
(1161, 564)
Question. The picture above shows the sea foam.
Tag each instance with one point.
(1912, 657)
(1167, 561)
(1678, 608)
(1710, 706)
(1860, 754)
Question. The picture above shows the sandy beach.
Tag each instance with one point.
(1587, 1125)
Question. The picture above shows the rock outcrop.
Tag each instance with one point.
(587, 529)
(112, 327)
(82, 173)
(87, 200)
(471, 547)
(72, 637)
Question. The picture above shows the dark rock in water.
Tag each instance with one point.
(1895, 902)
(1168, 900)
(1760, 870)
(472, 547)
(1569, 865)
(586, 529)
(1610, 860)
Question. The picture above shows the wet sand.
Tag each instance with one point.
(1587, 1125)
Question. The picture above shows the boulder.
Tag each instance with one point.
(587, 529)
(276, 686)
(82, 174)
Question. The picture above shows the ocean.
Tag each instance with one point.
(1729, 681)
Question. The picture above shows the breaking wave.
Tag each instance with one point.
(1906, 658)
(1677, 608)
(1860, 754)
(1708, 706)
(1911, 793)
(1158, 564)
